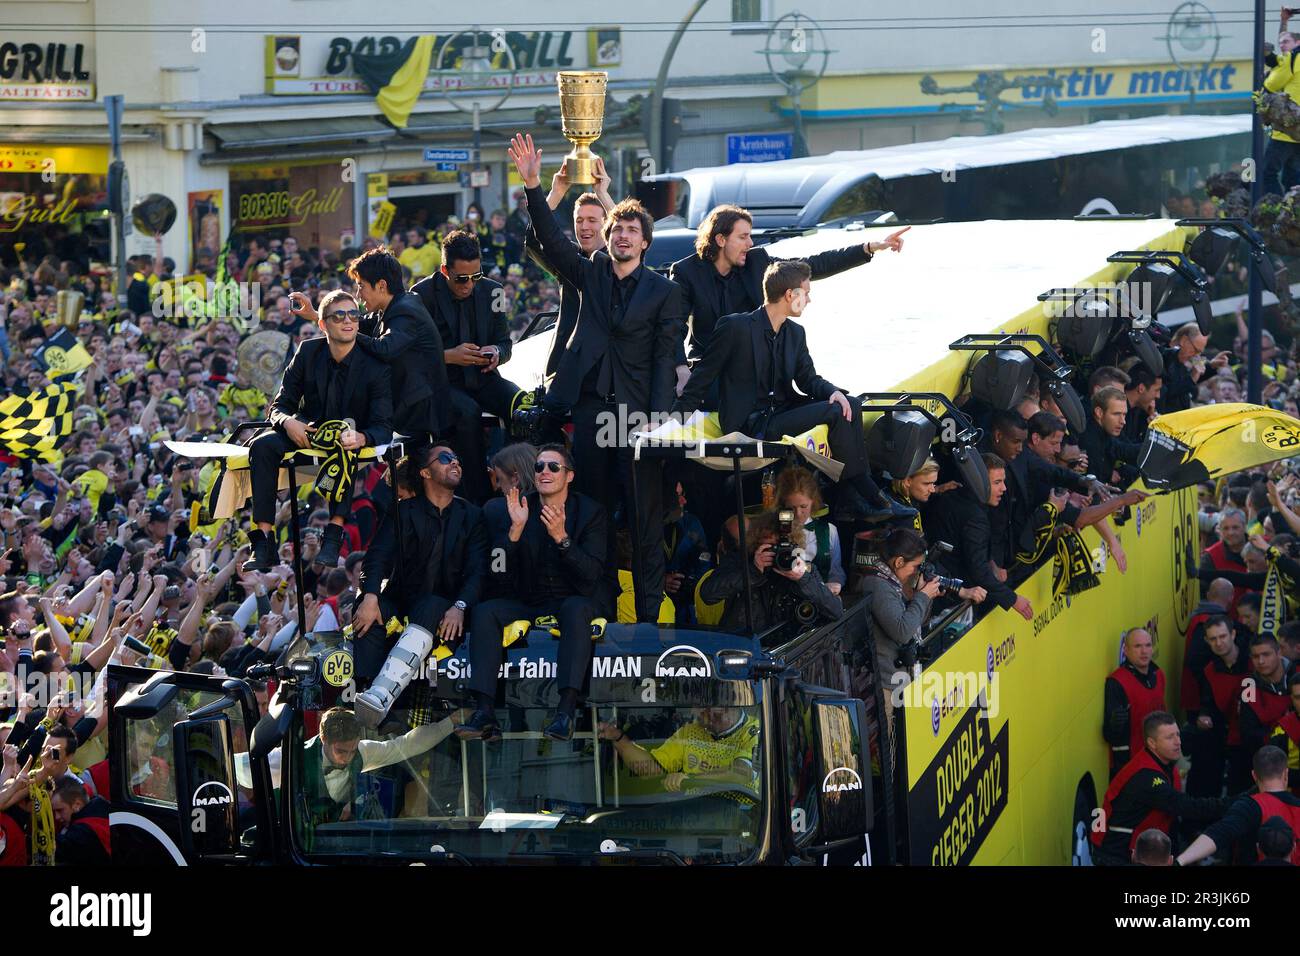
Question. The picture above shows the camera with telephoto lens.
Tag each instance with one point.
(786, 555)
(930, 570)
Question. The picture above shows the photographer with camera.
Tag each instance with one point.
(784, 589)
(796, 489)
(900, 587)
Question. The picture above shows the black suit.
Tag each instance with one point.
(1107, 454)
(570, 299)
(443, 559)
(365, 398)
(1030, 481)
(963, 521)
(472, 390)
(404, 336)
(738, 359)
(700, 286)
(618, 362)
(568, 584)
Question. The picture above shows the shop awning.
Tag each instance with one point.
(273, 140)
(71, 134)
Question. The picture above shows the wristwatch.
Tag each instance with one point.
(460, 605)
(565, 544)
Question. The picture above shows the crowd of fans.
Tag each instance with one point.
(106, 560)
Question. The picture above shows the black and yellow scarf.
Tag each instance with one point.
(1272, 600)
(334, 480)
(1072, 573)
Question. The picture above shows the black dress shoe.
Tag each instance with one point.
(262, 558)
(330, 545)
(482, 725)
(560, 727)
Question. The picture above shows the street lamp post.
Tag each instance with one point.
(793, 38)
(475, 72)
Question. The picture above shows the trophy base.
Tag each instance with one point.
(581, 165)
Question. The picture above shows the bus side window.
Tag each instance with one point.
(801, 763)
(150, 762)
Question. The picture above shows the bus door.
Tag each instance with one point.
(177, 796)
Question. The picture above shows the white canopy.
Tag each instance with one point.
(884, 326)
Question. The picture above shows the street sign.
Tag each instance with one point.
(480, 178)
(448, 167)
(759, 147)
(446, 155)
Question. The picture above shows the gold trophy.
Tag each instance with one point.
(582, 111)
(68, 303)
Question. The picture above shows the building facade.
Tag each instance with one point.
(251, 116)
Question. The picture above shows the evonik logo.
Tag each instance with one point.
(683, 660)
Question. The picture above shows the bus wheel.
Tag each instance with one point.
(1085, 799)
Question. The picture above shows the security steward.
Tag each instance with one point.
(1286, 736)
(327, 379)
(1147, 795)
(1271, 700)
(1218, 724)
(470, 312)
(1240, 825)
(554, 559)
(433, 581)
(82, 824)
(1133, 690)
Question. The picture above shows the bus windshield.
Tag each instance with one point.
(662, 770)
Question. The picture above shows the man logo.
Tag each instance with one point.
(213, 794)
(845, 778)
(683, 661)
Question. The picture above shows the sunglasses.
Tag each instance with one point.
(553, 466)
(1071, 462)
(461, 280)
(342, 314)
(447, 458)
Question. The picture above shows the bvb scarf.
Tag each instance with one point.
(334, 480)
(1272, 602)
(1072, 573)
(42, 822)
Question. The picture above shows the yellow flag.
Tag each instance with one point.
(397, 98)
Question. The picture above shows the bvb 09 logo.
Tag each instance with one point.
(1280, 437)
(56, 359)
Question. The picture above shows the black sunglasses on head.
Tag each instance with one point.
(462, 279)
(554, 466)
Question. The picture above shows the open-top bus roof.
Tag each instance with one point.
(886, 326)
(793, 183)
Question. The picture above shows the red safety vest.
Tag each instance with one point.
(99, 778)
(99, 826)
(13, 842)
(1141, 702)
(1271, 806)
(1226, 691)
(1219, 558)
(1269, 706)
(1190, 695)
(1156, 819)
